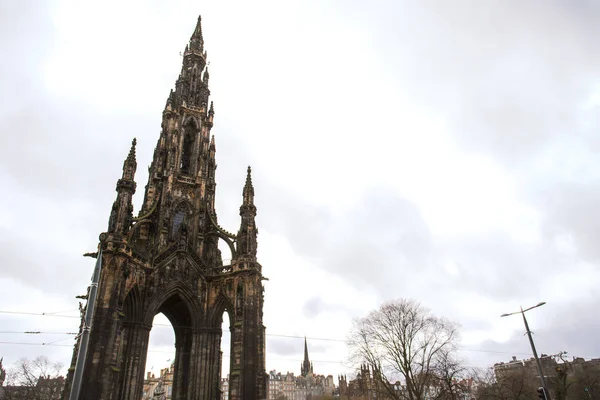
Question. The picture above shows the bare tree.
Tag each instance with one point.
(23, 379)
(450, 373)
(585, 380)
(402, 340)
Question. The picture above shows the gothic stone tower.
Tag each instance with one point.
(167, 260)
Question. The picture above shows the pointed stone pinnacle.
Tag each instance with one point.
(198, 30)
(248, 192)
(249, 176)
(131, 155)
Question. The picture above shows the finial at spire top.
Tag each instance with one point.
(198, 31)
(248, 192)
(131, 155)
(130, 165)
(249, 178)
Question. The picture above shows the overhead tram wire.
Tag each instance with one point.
(55, 314)
(54, 344)
(38, 333)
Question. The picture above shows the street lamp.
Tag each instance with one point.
(537, 359)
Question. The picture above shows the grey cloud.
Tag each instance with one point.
(285, 347)
(567, 328)
(162, 336)
(313, 307)
(375, 244)
(508, 78)
(571, 211)
(38, 264)
(498, 265)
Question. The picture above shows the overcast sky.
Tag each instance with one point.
(446, 151)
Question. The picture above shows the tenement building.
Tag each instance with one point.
(167, 260)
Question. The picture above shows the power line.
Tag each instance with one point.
(38, 333)
(55, 314)
(37, 344)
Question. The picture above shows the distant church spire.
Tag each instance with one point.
(306, 365)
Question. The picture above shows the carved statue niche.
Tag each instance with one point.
(201, 223)
(195, 286)
(239, 300)
(126, 269)
(183, 235)
(129, 219)
(113, 217)
(186, 271)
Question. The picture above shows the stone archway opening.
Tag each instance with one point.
(166, 353)
(178, 314)
(160, 359)
(226, 352)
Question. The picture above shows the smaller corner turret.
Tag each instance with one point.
(122, 210)
(247, 234)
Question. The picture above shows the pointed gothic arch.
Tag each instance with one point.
(178, 303)
(221, 305)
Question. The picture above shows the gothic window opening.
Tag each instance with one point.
(163, 155)
(178, 219)
(188, 146)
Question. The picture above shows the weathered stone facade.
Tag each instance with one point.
(167, 260)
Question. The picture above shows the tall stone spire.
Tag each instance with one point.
(197, 41)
